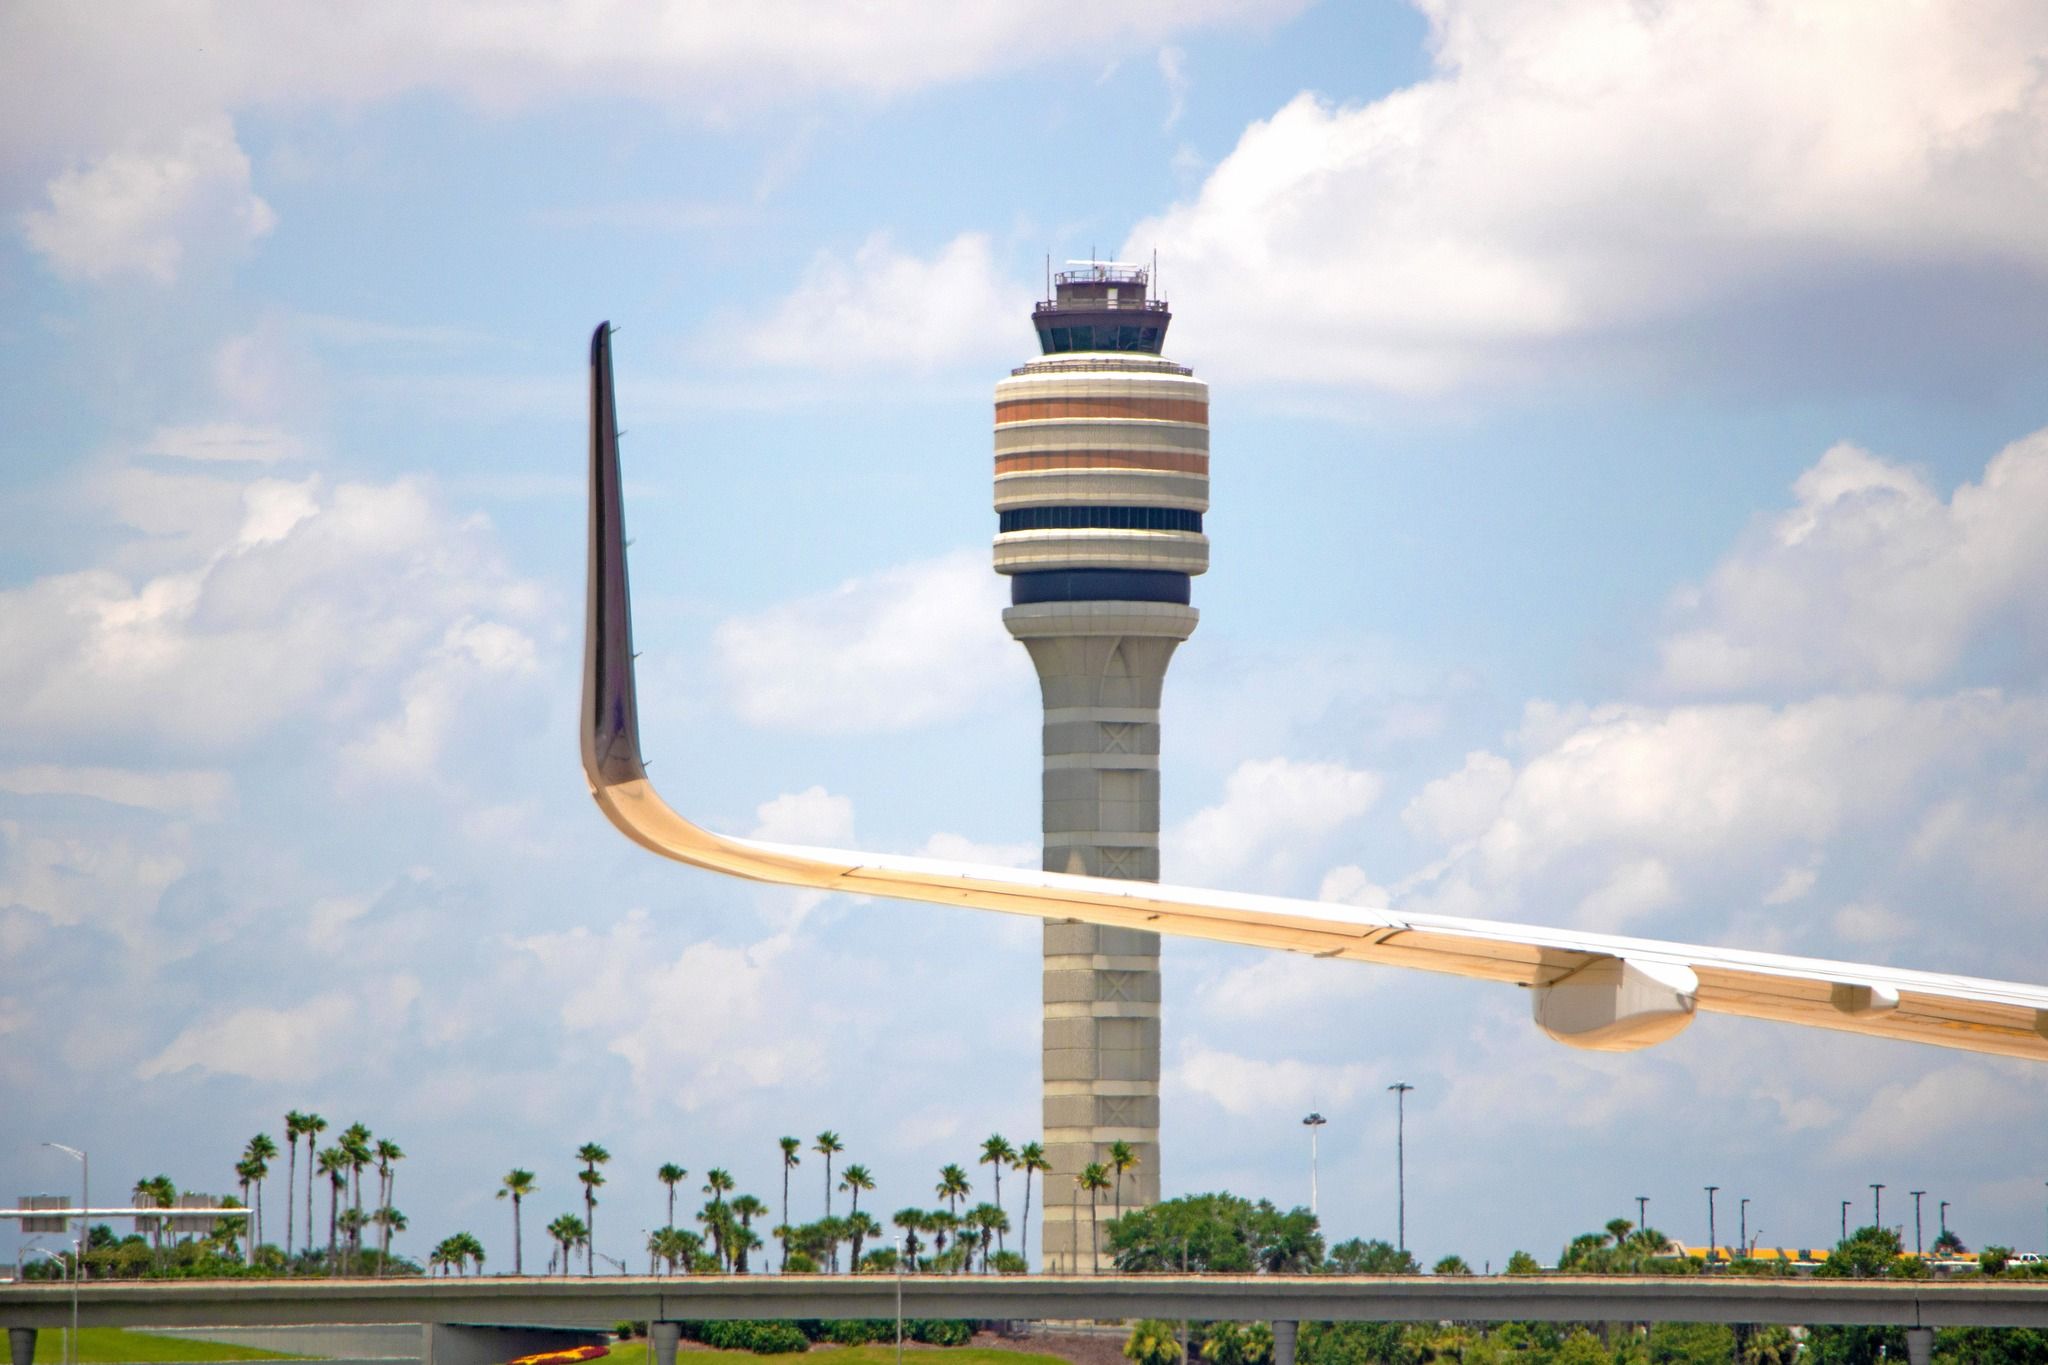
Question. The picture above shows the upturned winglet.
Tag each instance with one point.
(1596, 991)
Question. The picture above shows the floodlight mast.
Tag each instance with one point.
(1601, 992)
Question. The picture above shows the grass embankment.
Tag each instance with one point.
(635, 1353)
(118, 1346)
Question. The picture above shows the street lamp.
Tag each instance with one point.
(1877, 1206)
(1916, 1219)
(1400, 1089)
(1745, 1226)
(84, 1186)
(1944, 1220)
(1712, 1244)
(1845, 1220)
(71, 1352)
(1642, 1212)
(1312, 1122)
(84, 1203)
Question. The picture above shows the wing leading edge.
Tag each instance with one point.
(1596, 991)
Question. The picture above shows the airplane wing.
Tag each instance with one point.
(1597, 991)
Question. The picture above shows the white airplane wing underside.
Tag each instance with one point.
(1589, 990)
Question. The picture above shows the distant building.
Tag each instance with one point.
(1101, 482)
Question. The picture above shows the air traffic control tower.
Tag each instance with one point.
(1102, 476)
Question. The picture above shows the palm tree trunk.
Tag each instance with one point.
(333, 1216)
(590, 1222)
(785, 1216)
(1094, 1237)
(291, 1188)
(1024, 1237)
(518, 1266)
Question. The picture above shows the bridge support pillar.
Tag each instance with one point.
(1919, 1345)
(21, 1345)
(1283, 1341)
(662, 1340)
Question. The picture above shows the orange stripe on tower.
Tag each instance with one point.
(1055, 409)
(1164, 461)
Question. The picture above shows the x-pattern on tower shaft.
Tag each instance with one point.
(1101, 479)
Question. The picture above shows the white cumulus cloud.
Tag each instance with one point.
(909, 646)
(1575, 172)
(1871, 578)
(1270, 809)
(883, 309)
(142, 211)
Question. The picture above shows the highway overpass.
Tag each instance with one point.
(468, 1321)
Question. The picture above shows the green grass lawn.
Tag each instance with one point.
(635, 1353)
(118, 1346)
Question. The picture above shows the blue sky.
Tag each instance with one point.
(1631, 453)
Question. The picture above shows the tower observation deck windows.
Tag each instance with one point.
(1100, 336)
(1099, 519)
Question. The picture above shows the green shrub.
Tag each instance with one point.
(860, 1331)
(762, 1338)
(939, 1331)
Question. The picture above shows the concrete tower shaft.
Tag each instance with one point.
(1101, 482)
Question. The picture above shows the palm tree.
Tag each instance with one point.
(1030, 1158)
(912, 1221)
(952, 1186)
(245, 1171)
(148, 1195)
(388, 1152)
(258, 1154)
(828, 1143)
(352, 1223)
(312, 1125)
(790, 1149)
(388, 1221)
(988, 1222)
(333, 1165)
(355, 1145)
(516, 1185)
(746, 1208)
(671, 1245)
(568, 1232)
(941, 1223)
(856, 1178)
(998, 1153)
(859, 1228)
(671, 1175)
(1121, 1158)
(592, 1156)
(294, 1129)
(1094, 1178)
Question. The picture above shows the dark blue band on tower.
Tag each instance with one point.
(1098, 585)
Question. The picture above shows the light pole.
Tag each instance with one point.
(1877, 1206)
(84, 1203)
(84, 1186)
(70, 1337)
(1845, 1220)
(1745, 1226)
(902, 1255)
(1916, 1219)
(1642, 1212)
(1712, 1244)
(1312, 1122)
(1944, 1220)
(1400, 1089)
